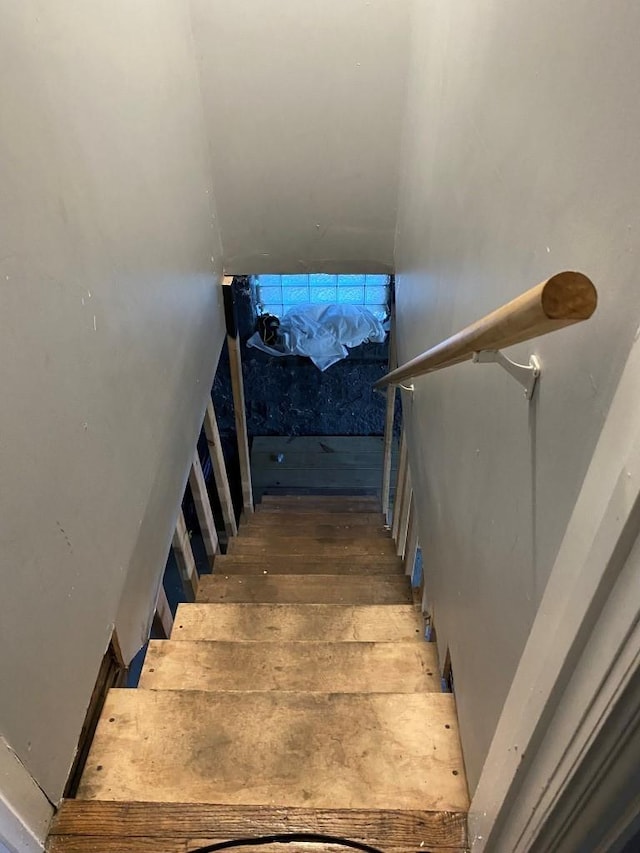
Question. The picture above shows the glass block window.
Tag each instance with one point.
(275, 294)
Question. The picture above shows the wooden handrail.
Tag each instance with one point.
(564, 299)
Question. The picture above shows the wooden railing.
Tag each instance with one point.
(564, 299)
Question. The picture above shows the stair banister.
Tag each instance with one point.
(564, 299)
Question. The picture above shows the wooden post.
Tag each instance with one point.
(203, 509)
(405, 511)
(402, 474)
(388, 428)
(184, 558)
(388, 450)
(411, 550)
(162, 618)
(237, 386)
(220, 470)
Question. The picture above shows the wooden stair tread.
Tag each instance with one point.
(331, 751)
(346, 509)
(86, 826)
(321, 500)
(305, 589)
(267, 518)
(320, 667)
(299, 622)
(314, 531)
(240, 564)
(312, 546)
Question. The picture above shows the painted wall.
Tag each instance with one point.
(111, 329)
(519, 160)
(305, 100)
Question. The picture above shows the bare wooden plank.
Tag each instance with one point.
(325, 444)
(405, 511)
(401, 829)
(292, 459)
(184, 558)
(269, 564)
(319, 667)
(117, 844)
(281, 518)
(387, 467)
(219, 470)
(316, 547)
(305, 589)
(329, 751)
(253, 532)
(400, 487)
(163, 618)
(411, 549)
(354, 507)
(203, 508)
(237, 388)
(298, 622)
(320, 500)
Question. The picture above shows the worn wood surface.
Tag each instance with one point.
(117, 844)
(184, 558)
(300, 622)
(400, 487)
(219, 470)
(320, 667)
(203, 508)
(163, 620)
(266, 518)
(319, 501)
(355, 506)
(316, 546)
(248, 564)
(392, 830)
(305, 589)
(369, 751)
(305, 530)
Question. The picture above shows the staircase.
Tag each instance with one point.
(297, 695)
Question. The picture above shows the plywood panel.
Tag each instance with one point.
(329, 667)
(300, 622)
(369, 751)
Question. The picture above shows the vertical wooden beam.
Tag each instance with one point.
(162, 618)
(203, 509)
(237, 387)
(411, 549)
(402, 474)
(184, 558)
(388, 449)
(388, 428)
(220, 470)
(405, 511)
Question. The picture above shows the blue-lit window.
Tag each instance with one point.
(275, 294)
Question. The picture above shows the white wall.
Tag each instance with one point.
(520, 160)
(305, 101)
(111, 328)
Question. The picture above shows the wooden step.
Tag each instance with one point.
(327, 532)
(252, 564)
(334, 751)
(320, 667)
(86, 826)
(305, 589)
(315, 547)
(267, 519)
(300, 622)
(322, 500)
(354, 507)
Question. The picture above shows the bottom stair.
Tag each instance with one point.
(286, 701)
